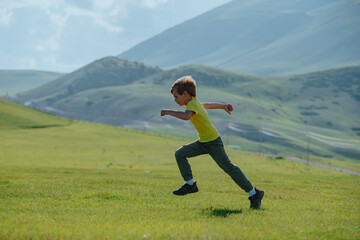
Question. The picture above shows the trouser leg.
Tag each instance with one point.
(217, 152)
(183, 153)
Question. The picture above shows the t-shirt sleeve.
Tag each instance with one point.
(191, 107)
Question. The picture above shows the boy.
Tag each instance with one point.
(184, 92)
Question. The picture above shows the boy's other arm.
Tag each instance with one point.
(227, 107)
(182, 115)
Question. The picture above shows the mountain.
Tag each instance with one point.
(14, 81)
(261, 37)
(275, 115)
(105, 72)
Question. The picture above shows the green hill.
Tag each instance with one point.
(273, 115)
(261, 37)
(15, 116)
(105, 72)
(80, 180)
(15, 81)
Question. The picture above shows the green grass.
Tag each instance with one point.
(14, 116)
(82, 180)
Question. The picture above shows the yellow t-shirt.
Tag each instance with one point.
(200, 120)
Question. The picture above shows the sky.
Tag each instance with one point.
(64, 35)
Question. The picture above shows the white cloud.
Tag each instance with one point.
(105, 20)
(103, 12)
(104, 5)
(24, 62)
(5, 16)
(101, 22)
(112, 9)
(54, 23)
(58, 18)
(12, 4)
(51, 44)
(152, 3)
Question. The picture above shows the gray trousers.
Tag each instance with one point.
(216, 150)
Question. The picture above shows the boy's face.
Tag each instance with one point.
(182, 99)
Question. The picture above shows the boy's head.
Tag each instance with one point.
(186, 83)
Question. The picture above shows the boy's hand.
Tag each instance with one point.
(163, 112)
(228, 108)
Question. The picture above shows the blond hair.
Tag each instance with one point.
(186, 83)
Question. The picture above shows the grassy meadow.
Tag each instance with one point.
(64, 179)
(119, 92)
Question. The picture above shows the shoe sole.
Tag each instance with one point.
(186, 193)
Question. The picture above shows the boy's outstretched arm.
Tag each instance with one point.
(182, 115)
(227, 107)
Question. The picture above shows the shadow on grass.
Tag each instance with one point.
(45, 126)
(221, 212)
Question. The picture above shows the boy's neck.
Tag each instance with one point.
(190, 98)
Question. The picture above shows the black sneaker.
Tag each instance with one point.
(255, 200)
(185, 189)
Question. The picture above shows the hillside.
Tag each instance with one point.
(15, 116)
(272, 115)
(261, 37)
(15, 81)
(83, 180)
(105, 72)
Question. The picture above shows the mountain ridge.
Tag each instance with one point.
(261, 37)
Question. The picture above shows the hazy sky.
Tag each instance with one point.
(63, 35)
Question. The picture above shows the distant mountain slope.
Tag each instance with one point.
(275, 114)
(204, 75)
(15, 81)
(105, 72)
(262, 37)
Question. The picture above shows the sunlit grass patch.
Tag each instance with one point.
(90, 181)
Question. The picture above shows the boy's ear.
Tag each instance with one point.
(185, 92)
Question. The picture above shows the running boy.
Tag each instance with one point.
(209, 142)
